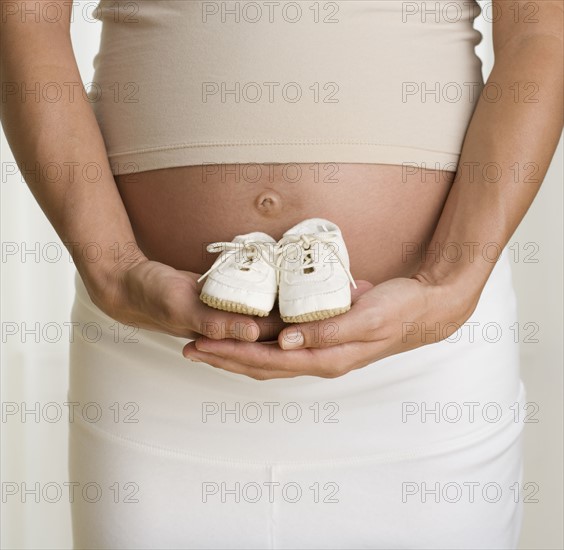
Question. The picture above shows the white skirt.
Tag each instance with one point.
(418, 450)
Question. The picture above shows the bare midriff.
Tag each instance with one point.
(387, 213)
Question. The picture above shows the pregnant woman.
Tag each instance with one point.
(392, 425)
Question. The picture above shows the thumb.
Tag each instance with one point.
(362, 286)
(347, 327)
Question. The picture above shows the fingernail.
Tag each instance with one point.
(293, 341)
(201, 345)
(251, 332)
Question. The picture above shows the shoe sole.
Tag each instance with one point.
(316, 315)
(232, 307)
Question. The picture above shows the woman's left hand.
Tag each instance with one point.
(395, 316)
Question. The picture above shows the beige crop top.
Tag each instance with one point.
(186, 82)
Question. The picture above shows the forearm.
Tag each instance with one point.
(507, 151)
(60, 151)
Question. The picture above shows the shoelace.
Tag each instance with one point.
(249, 252)
(252, 250)
(305, 242)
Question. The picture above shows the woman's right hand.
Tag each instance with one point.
(155, 296)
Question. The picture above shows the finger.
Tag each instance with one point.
(265, 356)
(318, 362)
(270, 327)
(352, 326)
(254, 354)
(330, 332)
(230, 365)
(219, 325)
(361, 287)
(172, 303)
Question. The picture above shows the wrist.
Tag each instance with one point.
(460, 284)
(471, 276)
(102, 266)
(459, 264)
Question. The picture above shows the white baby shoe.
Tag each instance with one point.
(313, 272)
(243, 278)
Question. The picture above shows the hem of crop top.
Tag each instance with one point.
(299, 152)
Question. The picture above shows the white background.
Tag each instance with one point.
(37, 290)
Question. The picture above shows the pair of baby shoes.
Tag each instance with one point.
(308, 270)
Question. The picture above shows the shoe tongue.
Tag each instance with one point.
(315, 225)
(257, 236)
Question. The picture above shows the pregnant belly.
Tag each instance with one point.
(387, 212)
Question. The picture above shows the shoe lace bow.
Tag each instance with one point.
(306, 243)
(248, 252)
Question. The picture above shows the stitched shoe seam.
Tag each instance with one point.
(310, 295)
(243, 290)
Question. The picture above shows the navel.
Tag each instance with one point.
(269, 203)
